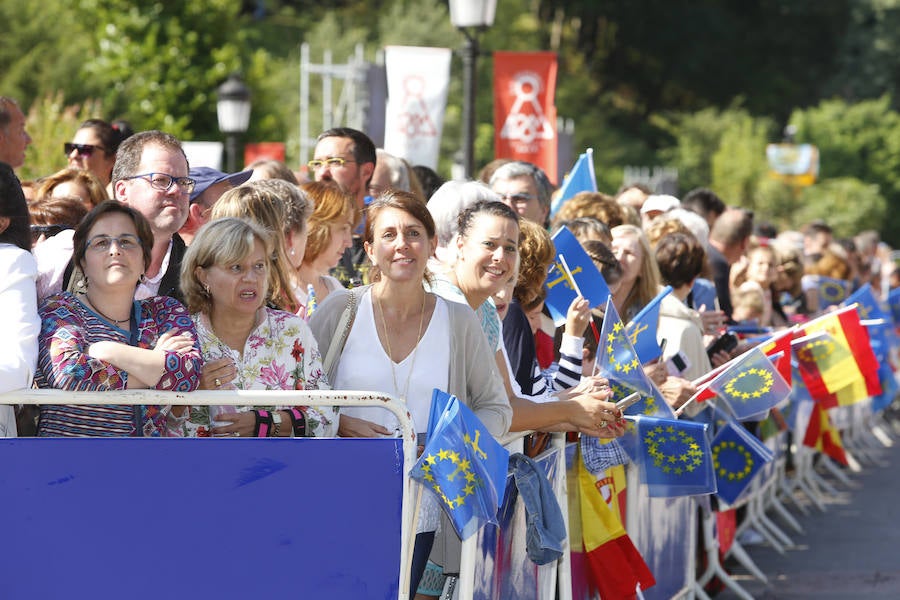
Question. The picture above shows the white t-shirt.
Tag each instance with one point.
(366, 366)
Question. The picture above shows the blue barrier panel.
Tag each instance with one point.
(200, 518)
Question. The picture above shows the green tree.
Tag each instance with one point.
(847, 204)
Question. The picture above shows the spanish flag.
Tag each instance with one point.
(822, 435)
(615, 567)
(836, 359)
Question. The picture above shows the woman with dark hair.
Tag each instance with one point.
(103, 339)
(93, 148)
(18, 310)
(404, 341)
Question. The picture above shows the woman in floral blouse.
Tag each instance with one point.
(226, 278)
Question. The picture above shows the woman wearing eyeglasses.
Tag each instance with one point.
(102, 339)
(94, 148)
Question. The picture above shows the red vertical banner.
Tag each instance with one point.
(525, 109)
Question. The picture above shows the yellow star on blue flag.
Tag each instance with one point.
(751, 385)
(674, 457)
(737, 457)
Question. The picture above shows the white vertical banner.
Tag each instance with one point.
(417, 80)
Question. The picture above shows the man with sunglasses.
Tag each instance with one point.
(13, 137)
(151, 176)
(347, 157)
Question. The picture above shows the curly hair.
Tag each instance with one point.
(591, 204)
(536, 251)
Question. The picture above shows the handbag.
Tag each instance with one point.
(344, 325)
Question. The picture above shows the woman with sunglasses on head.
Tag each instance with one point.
(103, 339)
(93, 148)
(18, 311)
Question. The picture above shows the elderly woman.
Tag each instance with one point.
(102, 339)
(226, 276)
(330, 233)
(18, 309)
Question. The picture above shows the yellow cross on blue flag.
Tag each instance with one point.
(642, 329)
(462, 464)
(674, 457)
(572, 275)
(737, 457)
(751, 385)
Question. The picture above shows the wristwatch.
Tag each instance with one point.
(276, 423)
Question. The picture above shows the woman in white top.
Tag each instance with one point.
(18, 300)
(406, 342)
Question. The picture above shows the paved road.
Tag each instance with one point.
(852, 550)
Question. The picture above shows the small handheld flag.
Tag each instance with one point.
(580, 179)
(751, 386)
(642, 329)
(572, 275)
(737, 457)
(463, 465)
(675, 457)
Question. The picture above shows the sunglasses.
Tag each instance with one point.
(81, 149)
(46, 230)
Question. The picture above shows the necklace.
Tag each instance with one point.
(387, 342)
(111, 320)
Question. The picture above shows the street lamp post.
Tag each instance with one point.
(233, 110)
(470, 17)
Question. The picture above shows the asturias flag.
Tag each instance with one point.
(585, 277)
(580, 179)
(642, 329)
(463, 465)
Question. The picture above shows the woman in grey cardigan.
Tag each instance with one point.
(405, 342)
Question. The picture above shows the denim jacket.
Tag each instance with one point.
(545, 527)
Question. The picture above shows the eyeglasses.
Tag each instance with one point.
(81, 149)
(46, 230)
(164, 182)
(517, 198)
(102, 243)
(331, 163)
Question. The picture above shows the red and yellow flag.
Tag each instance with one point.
(822, 435)
(615, 566)
(836, 359)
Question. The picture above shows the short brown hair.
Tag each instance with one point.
(85, 178)
(408, 203)
(141, 225)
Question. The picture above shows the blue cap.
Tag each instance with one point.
(206, 176)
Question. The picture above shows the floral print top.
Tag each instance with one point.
(280, 354)
(69, 327)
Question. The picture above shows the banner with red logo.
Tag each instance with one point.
(525, 109)
(418, 79)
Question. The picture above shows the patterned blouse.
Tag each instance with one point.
(69, 327)
(280, 354)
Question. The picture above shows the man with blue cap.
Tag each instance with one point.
(209, 186)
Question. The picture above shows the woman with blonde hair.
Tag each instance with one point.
(263, 202)
(640, 280)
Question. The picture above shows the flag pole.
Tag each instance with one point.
(565, 266)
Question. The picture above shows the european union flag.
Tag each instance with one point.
(894, 303)
(675, 458)
(751, 386)
(737, 456)
(580, 179)
(585, 277)
(642, 329)
(832, 291)
(463, 465)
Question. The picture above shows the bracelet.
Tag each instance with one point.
(264, 423)
(276, 420)
(298, 422)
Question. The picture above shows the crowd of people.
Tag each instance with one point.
(131, 269)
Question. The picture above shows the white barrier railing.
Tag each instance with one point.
(261, 398)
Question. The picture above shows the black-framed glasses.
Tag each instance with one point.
(81, 149)
(164, 182)
(517, 198)
(102, 243)
(47, 231)
(331, 162)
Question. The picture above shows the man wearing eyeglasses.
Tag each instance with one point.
(525, 188)
(347, 157)
(13, 137)
(151, 176)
